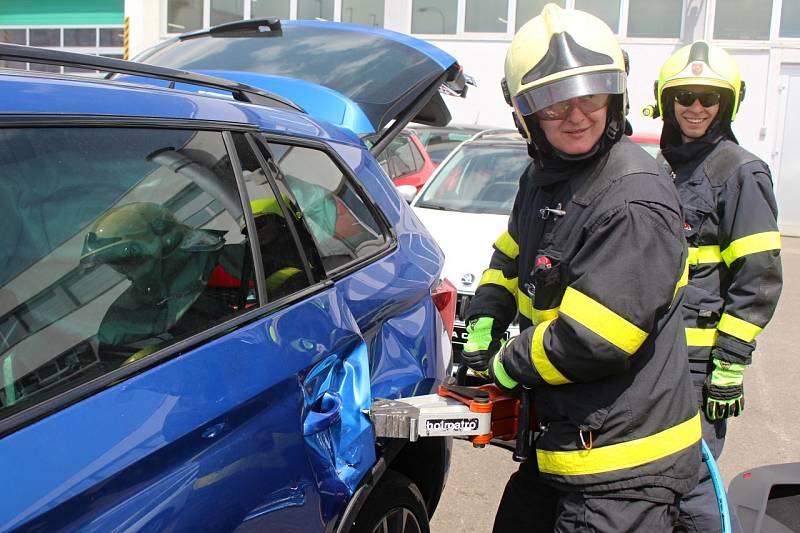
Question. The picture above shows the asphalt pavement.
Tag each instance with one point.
(768, 432)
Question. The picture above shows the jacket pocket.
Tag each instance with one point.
(702, 309)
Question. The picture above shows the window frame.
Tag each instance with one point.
(85, 390)
(772, 34)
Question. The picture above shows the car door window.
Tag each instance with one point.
(342, 226)
(284, 268)
(118, 242)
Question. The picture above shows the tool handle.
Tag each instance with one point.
(523, 445)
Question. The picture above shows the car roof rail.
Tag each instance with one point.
(240, 91)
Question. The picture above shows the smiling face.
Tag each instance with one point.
(576, 133)
(694, 120)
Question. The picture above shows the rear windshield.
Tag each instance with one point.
(365, 67)
(478, 179)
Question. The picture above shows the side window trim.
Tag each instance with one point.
(258, 265)
(269, 172)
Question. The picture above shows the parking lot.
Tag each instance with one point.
(767, 433)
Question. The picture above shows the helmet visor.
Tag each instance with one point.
(538, 98)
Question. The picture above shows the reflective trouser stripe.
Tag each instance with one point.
(278, 278)
(602, 321)
(701, 337)
(736, 327)
(752, 244)
(496, 277)
(704, 254)
(624, 455)
(541, 362)
(506, 244)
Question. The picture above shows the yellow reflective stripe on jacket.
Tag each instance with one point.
(541, 362)
(704, 254)
(496, 277)
(701, 337)
(524, 305)
(736, 327)
(526, 309)
(279, 277)
(752, 244)
(506, 244)
(624, 455)
(602, 321)
(684, 281)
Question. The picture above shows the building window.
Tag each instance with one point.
(13, 36)
(367, 12)
(260, 9)
(82, 39)
(486, 17)
(434, 16)
(184, 15)
(223, 11)
(790, 19)
(743, 19)
(45, 37)
(605, 10)
(315, 9)
(527, 9)
(655, 19)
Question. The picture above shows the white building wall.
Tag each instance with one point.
(759, 125)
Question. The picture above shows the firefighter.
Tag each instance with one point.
(730, 224)
(594, 261)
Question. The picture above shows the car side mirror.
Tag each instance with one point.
(407, 192)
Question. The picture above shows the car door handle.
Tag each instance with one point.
(324, 414)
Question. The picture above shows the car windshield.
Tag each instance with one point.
(479, 178)
(440, 142)
(314, 54)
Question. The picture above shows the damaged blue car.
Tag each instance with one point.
(204, 286)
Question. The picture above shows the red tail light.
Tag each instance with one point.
(444, 298)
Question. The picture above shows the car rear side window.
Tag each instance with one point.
(342, 226)
(117, 243)
(282, 259)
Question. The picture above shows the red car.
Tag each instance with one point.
(406, 161)
(648, 141)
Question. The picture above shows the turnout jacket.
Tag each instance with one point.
(730, 223)
(595, 263)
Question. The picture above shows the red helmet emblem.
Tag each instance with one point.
(697, 68)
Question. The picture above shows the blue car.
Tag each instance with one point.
(201, 293)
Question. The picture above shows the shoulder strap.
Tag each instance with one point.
(725, 161)
(623, 159)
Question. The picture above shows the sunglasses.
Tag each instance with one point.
(587, 104)
(687, 98)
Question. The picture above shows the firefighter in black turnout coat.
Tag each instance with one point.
(595, 263)
(734, 246)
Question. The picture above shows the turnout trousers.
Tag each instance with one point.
(529, 505)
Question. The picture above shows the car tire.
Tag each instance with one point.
(394, 506)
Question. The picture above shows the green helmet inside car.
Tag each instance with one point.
(129, 234)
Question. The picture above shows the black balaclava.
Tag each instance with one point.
(720, 127)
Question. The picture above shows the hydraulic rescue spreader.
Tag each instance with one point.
(477, 413)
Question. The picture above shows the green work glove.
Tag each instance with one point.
(483, 341)
(724, 390)
(497, 371)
